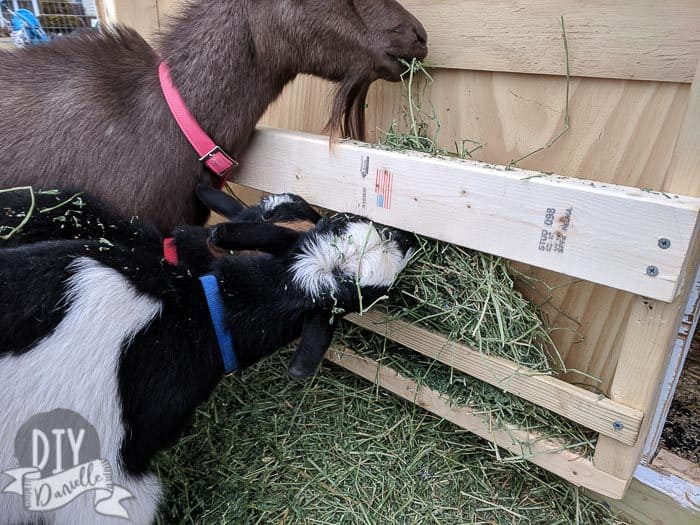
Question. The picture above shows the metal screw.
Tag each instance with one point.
(664, 243)
(652, 271)
(617, 425)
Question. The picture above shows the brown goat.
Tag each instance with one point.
(87, 111)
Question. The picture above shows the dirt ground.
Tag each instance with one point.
(681, 434)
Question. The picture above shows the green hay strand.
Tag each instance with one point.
(334, 450)
(470, 298)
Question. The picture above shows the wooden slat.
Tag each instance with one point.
(671, 379)
(647, 506)
(606, 234)
(652, 327)
(626, 39)
(546, 454)
(590, 410)
(666, 461)
(141, 15)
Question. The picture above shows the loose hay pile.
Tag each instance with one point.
(336, 450)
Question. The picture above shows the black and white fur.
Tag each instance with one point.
(112, 332)
(68, 214)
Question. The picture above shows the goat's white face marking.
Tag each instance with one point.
(271, 202)
(359, 252)
(75, 367)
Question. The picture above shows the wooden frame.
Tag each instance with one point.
(281, 161)
(643, 134)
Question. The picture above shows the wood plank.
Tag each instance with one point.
(653, 326)
(644, 358)
(601, 233)
(627, 39)
(645, 505)
(546, 454)
(141, 15)
(666, 461)
(681, 347)
(586, 408)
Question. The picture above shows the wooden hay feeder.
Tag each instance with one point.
(622, 215)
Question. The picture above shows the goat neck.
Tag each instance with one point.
(226, 74)
(264, 310)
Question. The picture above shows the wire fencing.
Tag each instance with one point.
(57, 17)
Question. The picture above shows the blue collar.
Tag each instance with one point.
(217, 311)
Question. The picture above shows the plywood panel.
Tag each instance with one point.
(141, 15)
(627, 39)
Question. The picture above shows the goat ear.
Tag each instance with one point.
(260, 236)
(316, 336)
(219, 202)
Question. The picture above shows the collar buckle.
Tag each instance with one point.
(218, 150)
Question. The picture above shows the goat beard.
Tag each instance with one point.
(348, 116)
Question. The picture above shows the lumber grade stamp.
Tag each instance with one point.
(618, 236)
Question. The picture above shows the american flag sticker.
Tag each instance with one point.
(383, 187)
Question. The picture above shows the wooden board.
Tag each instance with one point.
(666, 461)
(647, 506)
(652, 328)
(590, 410)
(547, 455)
(601, 233)
(628, 39)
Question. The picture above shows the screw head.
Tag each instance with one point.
(652, 271)
(664, 243)
(618, 425)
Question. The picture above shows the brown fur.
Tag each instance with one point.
(87, 111)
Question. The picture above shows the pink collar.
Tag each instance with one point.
(213, 156)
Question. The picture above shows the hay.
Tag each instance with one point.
(335, 450)
(470, 298)
(498, 408)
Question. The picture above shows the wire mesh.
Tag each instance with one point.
(57, 17)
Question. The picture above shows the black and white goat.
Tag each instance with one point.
(134, 345)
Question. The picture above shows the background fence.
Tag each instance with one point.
(57, 17)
